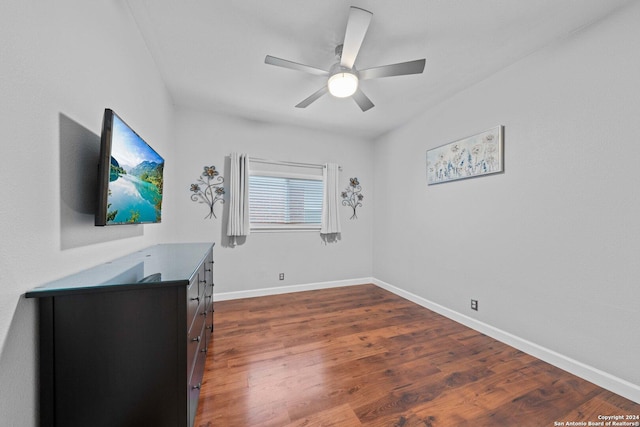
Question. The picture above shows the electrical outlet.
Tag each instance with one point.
(281, 276)
(474, 304)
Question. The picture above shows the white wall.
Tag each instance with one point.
(205, 139)
(549, 248)
(61, 64)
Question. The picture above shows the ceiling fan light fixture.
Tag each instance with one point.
(343, 84)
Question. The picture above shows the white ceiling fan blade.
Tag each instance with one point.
(400, 69)
(362, 100)
(317, 94)
(272, 60)
(357, 26)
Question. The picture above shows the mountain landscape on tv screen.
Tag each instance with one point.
(135, 192)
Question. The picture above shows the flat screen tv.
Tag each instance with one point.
(129, 176)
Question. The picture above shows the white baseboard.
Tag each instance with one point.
(288, 289)
(603, 379)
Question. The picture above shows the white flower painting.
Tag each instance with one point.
(475, 155)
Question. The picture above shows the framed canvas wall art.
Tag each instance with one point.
(476, 155)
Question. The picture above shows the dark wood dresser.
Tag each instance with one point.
(124, 343)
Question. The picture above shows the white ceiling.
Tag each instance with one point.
(211, 53)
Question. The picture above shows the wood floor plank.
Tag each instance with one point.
(362, 356)
(338, 416)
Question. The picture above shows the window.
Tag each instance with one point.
(285, 201)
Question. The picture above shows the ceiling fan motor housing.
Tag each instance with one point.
(343, 81)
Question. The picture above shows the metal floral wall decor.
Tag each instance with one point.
(208, 189)
(353, 196)
(469, 157)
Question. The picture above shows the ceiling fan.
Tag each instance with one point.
(343, 77)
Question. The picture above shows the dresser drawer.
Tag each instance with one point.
(195, 383)
(202, 280)
(207, 334)
(208, 271)
(193, 300)
(196, 337)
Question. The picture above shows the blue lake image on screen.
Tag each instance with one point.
(135, 178)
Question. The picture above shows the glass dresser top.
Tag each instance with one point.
(156, 264)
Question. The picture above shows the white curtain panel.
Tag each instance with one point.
(238, 225)
(330, 203)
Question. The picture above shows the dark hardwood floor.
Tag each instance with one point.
(362, 356)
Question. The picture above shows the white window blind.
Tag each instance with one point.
(283, 198)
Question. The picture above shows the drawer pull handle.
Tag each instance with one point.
(208, 270)
(204, 350)
(195, 299)
(203, 281)
(196, 339)
(196, 387)
(209, 327)
(204, 313)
